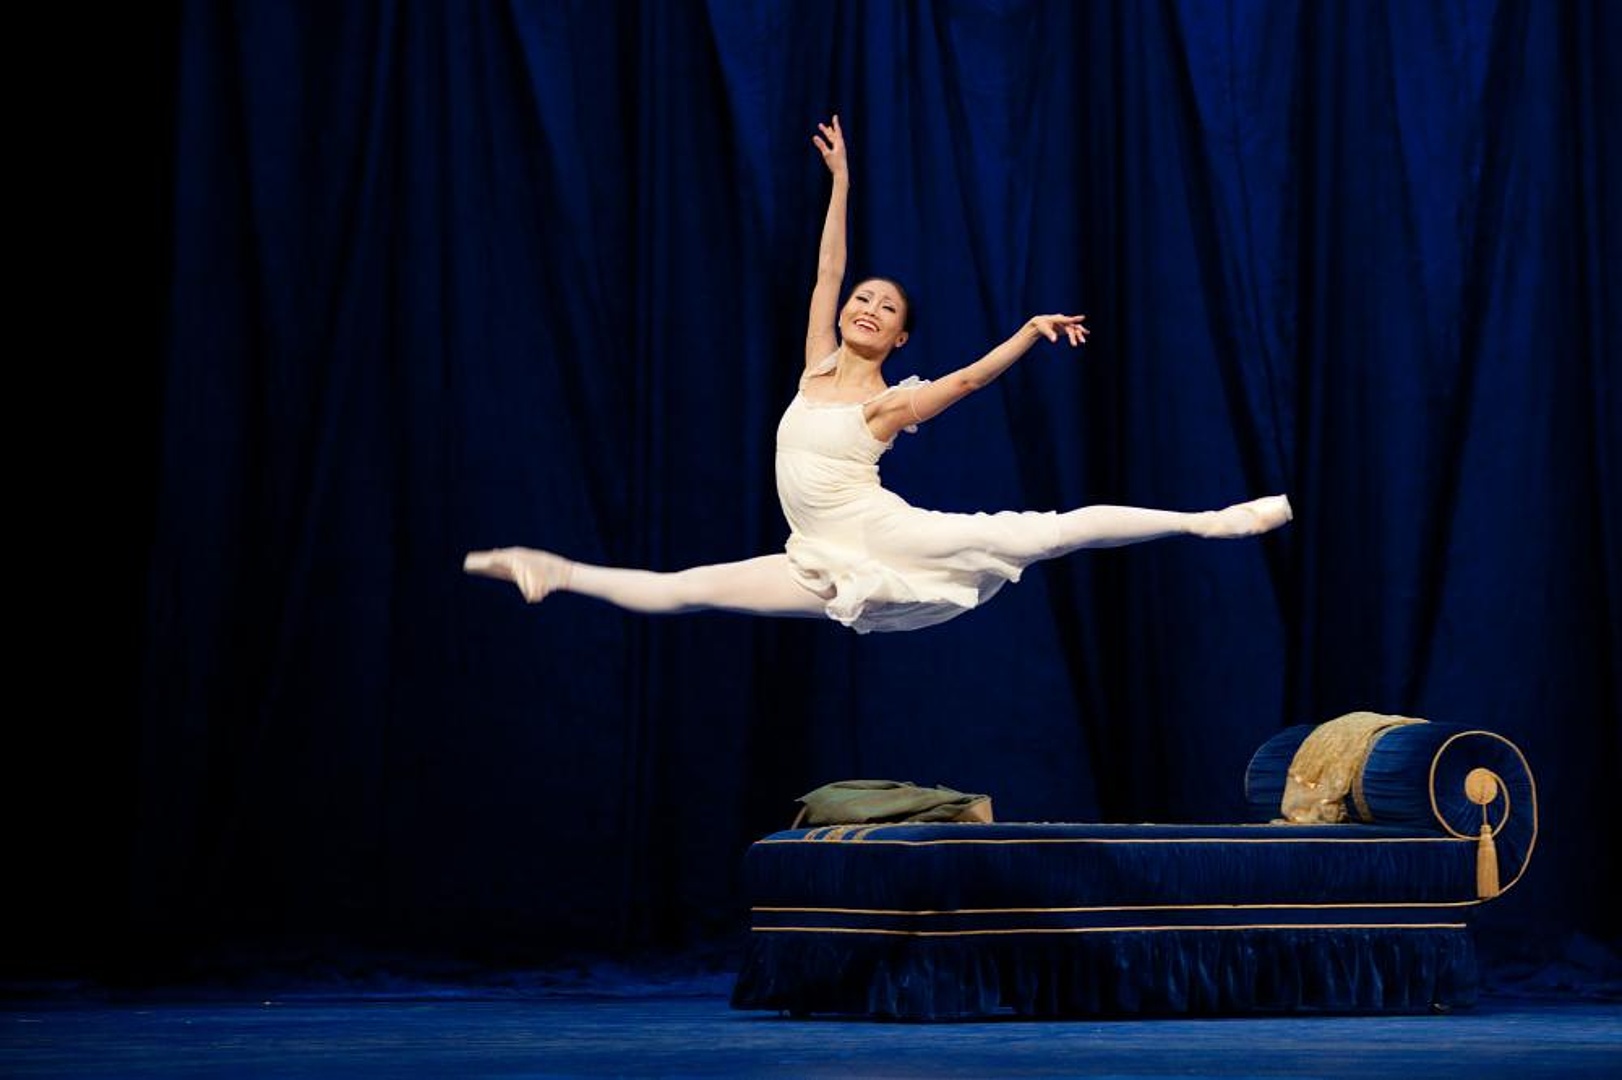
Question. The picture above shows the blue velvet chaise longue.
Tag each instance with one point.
(1351, 888)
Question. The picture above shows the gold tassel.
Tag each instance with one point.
(1486, 865)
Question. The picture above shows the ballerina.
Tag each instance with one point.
(858, 553)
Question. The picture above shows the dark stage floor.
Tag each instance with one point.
(691, 1032)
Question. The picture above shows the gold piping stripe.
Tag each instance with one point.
(1151, 840)
(1120, 907)
(1104, 929)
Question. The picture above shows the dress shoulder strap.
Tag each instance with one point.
(911, 383)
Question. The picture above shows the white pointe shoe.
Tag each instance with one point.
(1270, 511)
(536, 573)
(1248, 518)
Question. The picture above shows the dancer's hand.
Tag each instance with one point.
(1051, 326)
(831, 145)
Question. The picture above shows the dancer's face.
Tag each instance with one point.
(875, 316)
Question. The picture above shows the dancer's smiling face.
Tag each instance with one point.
(876, 316)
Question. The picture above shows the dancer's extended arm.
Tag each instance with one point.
(820, 338)
(896, 411)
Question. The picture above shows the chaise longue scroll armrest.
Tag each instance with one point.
(1458, 781)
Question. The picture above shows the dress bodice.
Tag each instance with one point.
(885, 564)
(834, 430)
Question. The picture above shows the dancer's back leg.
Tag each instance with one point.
(759, 586)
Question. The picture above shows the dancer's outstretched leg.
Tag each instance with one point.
(1117, 526)
(760, 586)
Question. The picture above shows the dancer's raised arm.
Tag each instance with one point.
(930, 399)
(820, 339)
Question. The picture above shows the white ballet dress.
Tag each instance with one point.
(890, 565)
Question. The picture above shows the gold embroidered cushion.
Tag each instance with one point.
(1327, 770)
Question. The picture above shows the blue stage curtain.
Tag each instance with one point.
(454, 276)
